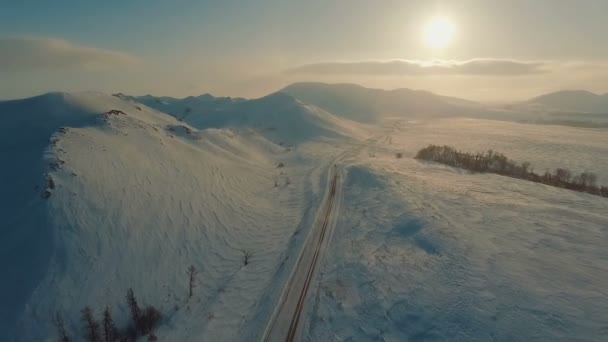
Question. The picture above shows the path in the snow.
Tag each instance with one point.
(285, 324)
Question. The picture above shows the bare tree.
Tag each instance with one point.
(246, 257)
(525, 169)
(135, 309)
(109, 329)
(562, 175)
(62, 334)
(92, 333)
(191, 273)
(591, 179)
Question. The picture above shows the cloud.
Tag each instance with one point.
(475, 67)
(18, 54)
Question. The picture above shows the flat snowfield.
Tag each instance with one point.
(424, 252)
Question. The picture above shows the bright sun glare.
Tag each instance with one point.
(438, 32)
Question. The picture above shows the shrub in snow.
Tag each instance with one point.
(246, 257)
(191, 273)
(498, 163)
(149, 320)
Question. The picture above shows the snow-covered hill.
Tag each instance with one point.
(103, 194)
(572, 101)
(277, 116)
(369, 105)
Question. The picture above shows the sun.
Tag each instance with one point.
(438, 32)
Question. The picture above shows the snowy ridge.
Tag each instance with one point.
(181, 108)
(281, 118)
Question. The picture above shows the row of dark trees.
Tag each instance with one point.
(143, 322)
(498, 163)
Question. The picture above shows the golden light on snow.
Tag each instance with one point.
(438, 32)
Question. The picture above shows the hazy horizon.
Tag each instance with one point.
(477, 50)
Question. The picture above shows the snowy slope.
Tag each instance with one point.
(424, 252)
(136, 197)
(25, 129)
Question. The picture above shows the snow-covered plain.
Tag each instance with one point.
(426, 252)
(420, 251)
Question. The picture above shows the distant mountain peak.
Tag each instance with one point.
(367, 104)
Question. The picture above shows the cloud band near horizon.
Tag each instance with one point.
(400, 67)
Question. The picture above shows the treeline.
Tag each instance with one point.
(143, 322)
(494, 162)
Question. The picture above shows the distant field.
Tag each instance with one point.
(545, 147)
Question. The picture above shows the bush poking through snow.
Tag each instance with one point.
(494, 162)
(116, 112)
(150, 319)
(246, 257)
(191, 274)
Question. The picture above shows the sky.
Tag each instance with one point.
(500, 50)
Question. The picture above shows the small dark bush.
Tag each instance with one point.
(246, 257)
(149, 320)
